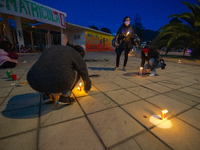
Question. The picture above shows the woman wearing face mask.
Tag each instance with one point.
(125, 39)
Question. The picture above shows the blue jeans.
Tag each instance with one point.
(150, 63)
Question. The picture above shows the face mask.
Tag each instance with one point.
(127, 22)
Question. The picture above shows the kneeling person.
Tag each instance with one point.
(152, 56)
(58, 70)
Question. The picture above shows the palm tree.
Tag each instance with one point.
(178, 34)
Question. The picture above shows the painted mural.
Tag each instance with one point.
(95, 41)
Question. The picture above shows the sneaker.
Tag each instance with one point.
(124, 69)
(65, 100)
(153, 73)
(116, 68)
(47, 98)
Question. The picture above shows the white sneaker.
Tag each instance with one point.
(153, 73)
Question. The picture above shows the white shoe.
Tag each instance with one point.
(153, 73)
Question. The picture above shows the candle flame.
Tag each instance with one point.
(127, 33)
(165, 111)
(80, 84)
(78, 88)
(141, 68)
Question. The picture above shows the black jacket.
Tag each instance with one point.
(153, 53)
(54, 71)
(125, 41)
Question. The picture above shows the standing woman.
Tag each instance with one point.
(125, 40)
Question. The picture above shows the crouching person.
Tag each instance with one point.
(58, 70)
(152, 56)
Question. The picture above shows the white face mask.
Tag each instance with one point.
(127, 22)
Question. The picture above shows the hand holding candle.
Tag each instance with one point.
(127, 33)
(140, 72)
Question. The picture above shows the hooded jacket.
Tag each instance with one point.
(126, 36)
(54, 71)
(153, 53)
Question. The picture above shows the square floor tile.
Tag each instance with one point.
(75, 134)
(1, 100)
(140, 80)
(191, 91)
(143, 111)
(122, 96)
(123, 82)
(54, 113)
(179, 136)
(98, 79)
(198, 106)
(22, 90)
(146, 140)
(5, 91)
(95, 103)
(127, 145)
(192, 117)
(173, 106)
(175, 83)
(114, 125)
(142, 92)
(196, 86)
(182, 97)
(16, 121)
(107, 86)
(158, 88)
(22, 141)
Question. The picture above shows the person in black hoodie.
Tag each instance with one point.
(57, 71)
(152, 56)
(125, 39)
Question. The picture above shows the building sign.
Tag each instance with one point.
(34, 11)
(95, 41)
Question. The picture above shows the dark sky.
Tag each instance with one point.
(110, 13)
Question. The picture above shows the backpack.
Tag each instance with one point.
(114, 41)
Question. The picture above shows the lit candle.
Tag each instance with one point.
(141, 68)
(127, 33)
(79, 87)
(163, 114)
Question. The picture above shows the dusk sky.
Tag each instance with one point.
(110, 13)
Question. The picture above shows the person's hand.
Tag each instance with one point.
(147, 70)
(87, 92)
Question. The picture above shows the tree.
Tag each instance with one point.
(138, 27)
(106, 30)
(176, 34)
(93, 27)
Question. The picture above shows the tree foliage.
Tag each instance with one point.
(106, 30)
(138, 27)
(93, 27)
(177, 34)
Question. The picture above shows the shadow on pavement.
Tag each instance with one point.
(97, 68)
(27, 106)
(136, 74)
(23, 106)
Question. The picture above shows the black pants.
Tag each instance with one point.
(8, 64)
(119, 52)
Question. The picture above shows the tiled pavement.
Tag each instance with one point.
(121, 112)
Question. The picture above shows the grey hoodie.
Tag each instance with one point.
(54, 71)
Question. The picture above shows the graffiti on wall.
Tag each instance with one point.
(95, 41)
